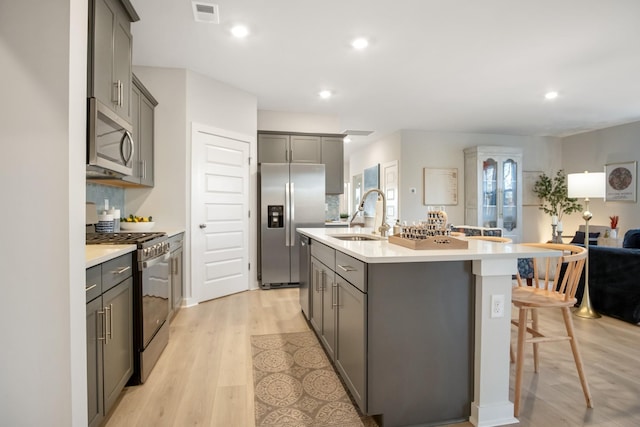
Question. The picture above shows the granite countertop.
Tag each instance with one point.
(381, 251)
(97, 254)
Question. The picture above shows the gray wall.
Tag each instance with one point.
(591, 151)
(43, 357)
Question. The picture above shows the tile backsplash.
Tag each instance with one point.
(333, 207)
(97, 193)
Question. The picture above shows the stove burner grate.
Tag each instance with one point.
(120, 238)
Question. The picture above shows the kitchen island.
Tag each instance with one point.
(411, 331)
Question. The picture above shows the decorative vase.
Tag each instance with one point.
(614, 233)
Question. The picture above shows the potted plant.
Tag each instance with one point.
(554, 200)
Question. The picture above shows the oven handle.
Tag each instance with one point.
(154, 261)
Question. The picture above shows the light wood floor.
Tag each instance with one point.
(204, 376)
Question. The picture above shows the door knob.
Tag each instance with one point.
(203, 225)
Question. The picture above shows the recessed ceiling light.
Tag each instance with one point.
(240, 31)
(360, 43)
(551, 95)
(325, 94)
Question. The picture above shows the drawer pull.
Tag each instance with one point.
(90, 287)
(122, 270)
(347, 268)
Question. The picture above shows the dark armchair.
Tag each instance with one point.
(614, 279)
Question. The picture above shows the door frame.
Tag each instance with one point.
(191, 297)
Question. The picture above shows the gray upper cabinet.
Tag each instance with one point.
(273, 148)
(333, 160)
(110, 47)
(142, 108)
(289, 149)
(306, 148)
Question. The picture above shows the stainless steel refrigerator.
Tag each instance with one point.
(291, 196)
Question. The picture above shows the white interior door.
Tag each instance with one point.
(390, 187)
(219, 213)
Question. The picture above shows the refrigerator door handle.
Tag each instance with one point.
(287, 215)
(292, 217)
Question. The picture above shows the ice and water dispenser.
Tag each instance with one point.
(276, 216)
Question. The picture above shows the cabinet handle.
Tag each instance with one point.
(122, 270)
(292, 214)
(90, 287)
(120, 93)
(288, 214)
(110, 322)
(144, 169)
(347, 268)
(107, 320)
(334, 295)
(104, 326)
(116, 93)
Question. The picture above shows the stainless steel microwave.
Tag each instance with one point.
(110, 143)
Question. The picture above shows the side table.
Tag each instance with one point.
(614, 242)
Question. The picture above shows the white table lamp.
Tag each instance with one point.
(585, 186)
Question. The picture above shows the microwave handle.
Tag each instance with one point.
(128, 137)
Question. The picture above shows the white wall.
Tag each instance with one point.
(297, 122)
(167, 201)
(184, 97)
(416, 150)
(591, 151)
(43, 356)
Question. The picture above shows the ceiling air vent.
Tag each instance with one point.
(205, 12)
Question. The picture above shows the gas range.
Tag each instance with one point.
(151, 290)
(150, 245)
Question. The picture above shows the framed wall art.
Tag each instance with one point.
(440, 186)
(621, 185)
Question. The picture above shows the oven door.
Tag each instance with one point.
(155, 295)
(111, 146)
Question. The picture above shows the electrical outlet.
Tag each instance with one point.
(497, 306)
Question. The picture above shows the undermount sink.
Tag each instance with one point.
(354, 237)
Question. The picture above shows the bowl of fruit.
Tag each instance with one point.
(136, 223)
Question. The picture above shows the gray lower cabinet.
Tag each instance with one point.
(176, 273)
(339, 314)
(351, 335)
(322, 309)
(400, 334)
(94, 363)
(109, 334)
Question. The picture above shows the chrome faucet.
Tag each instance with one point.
(384, 227)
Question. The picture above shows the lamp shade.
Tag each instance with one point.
(586, 185)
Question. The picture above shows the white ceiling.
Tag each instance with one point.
(437, 65)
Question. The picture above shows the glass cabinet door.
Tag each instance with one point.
(509, 195)
(489, 193)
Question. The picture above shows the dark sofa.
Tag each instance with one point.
(614, 279)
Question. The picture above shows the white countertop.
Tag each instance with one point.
(97, 254)
(381, 251)
(336, 224)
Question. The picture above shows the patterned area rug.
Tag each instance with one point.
(296, 385)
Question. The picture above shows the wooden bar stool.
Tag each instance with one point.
(556, 290)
